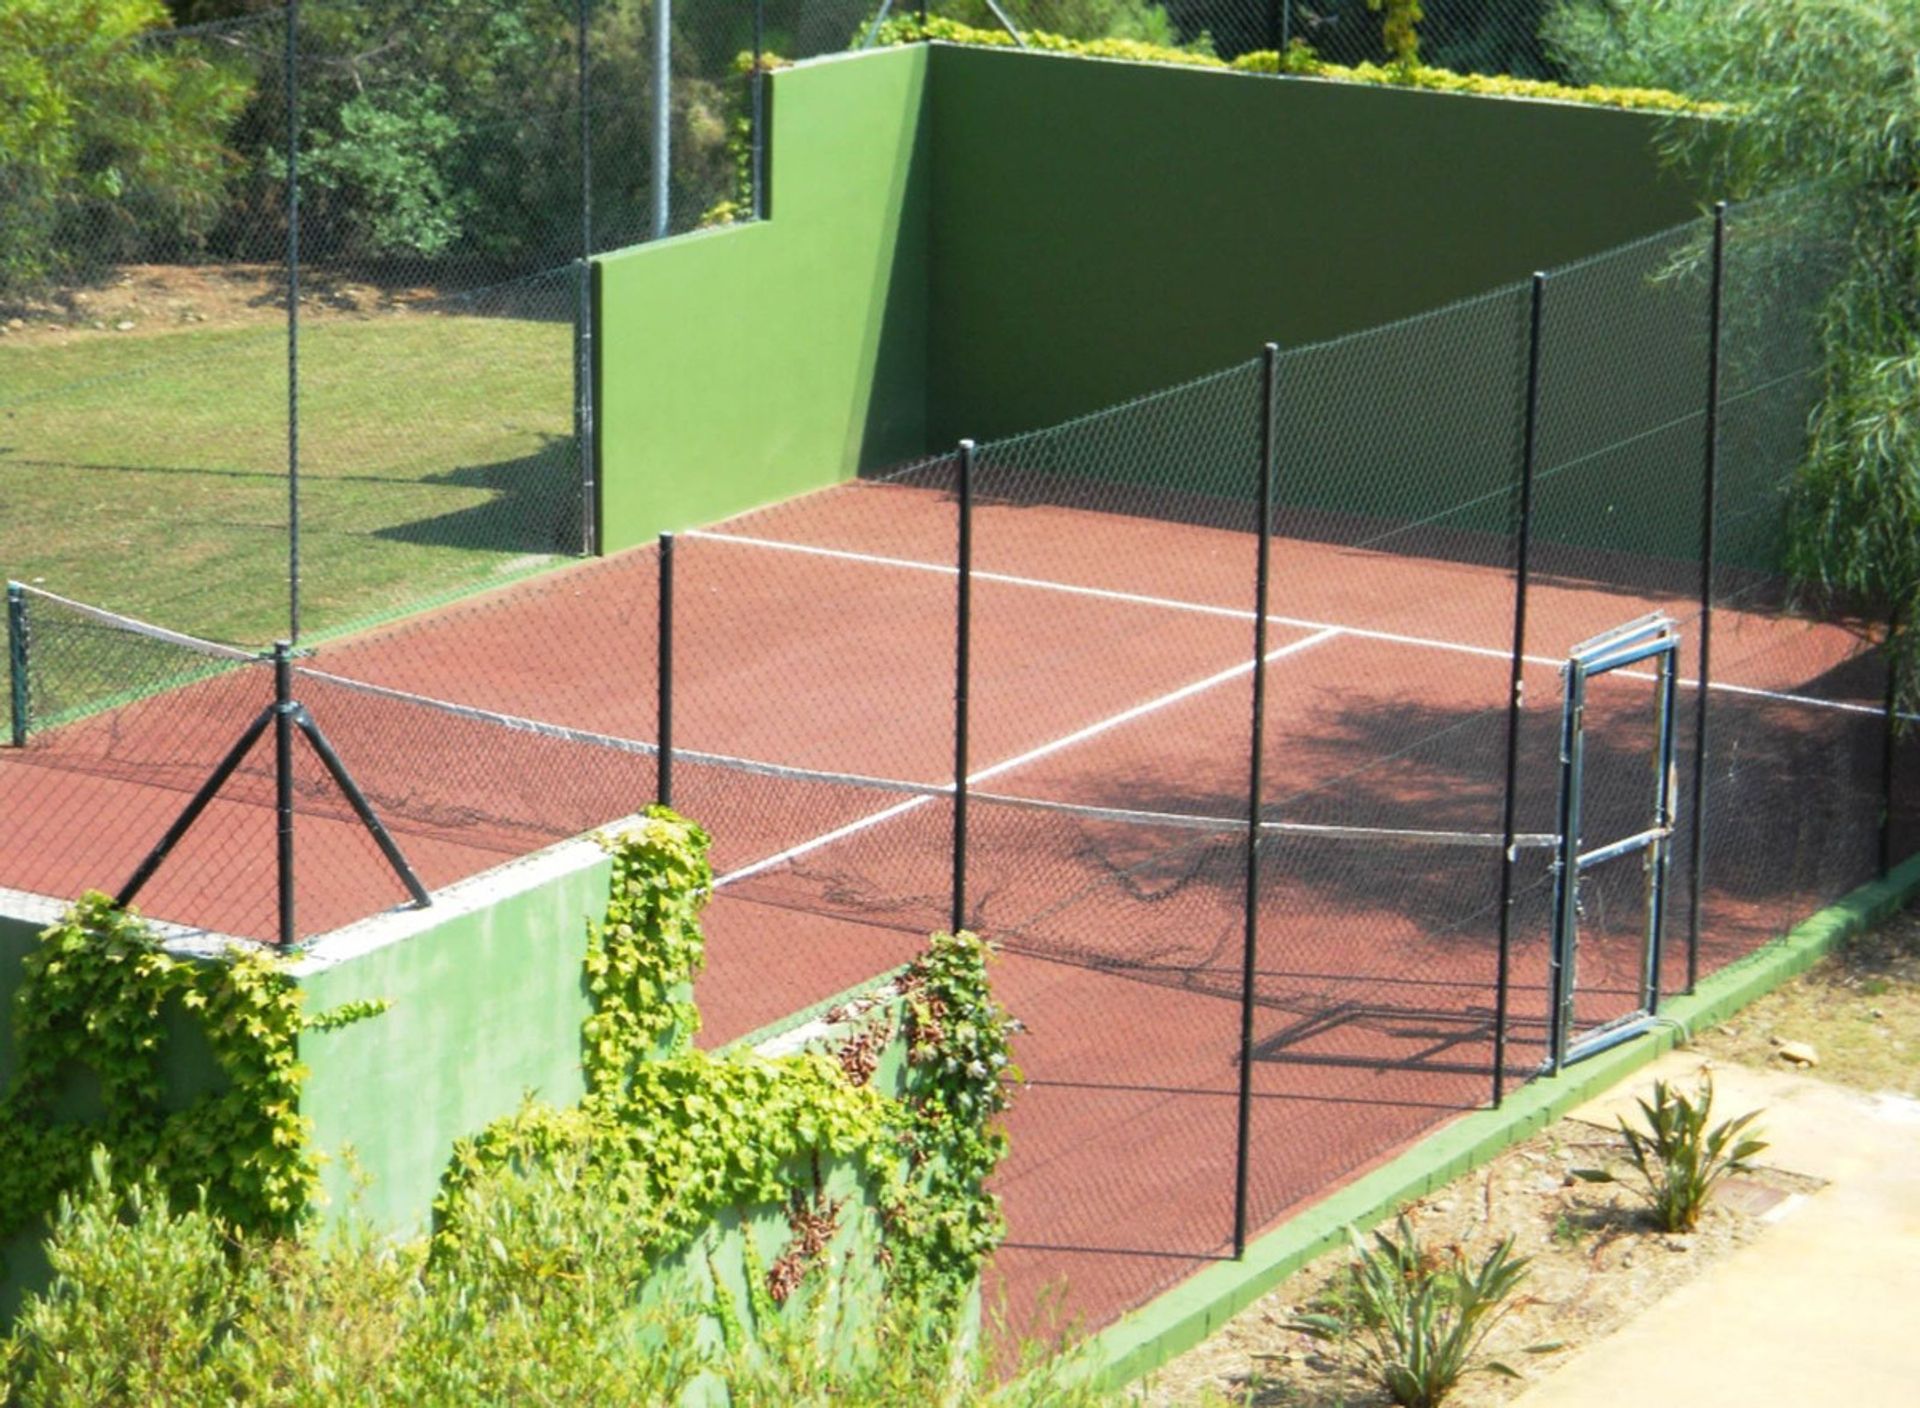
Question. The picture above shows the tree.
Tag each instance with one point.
(1825, 99)
(112, 139)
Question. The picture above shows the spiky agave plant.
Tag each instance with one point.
(1417, 1319)
(1677, 1157)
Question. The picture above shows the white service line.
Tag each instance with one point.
(1231, 613)
(1092, 730)
(1237, 613)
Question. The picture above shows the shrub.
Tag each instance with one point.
(1678, 1158)
(1416, 1318)
(110, 147)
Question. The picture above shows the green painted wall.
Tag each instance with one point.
(1102, 230)
(741, 366)
(486, 1009)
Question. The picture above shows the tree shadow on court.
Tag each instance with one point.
(533, 504)
(1353, 927)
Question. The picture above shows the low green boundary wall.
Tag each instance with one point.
(1180, 1319)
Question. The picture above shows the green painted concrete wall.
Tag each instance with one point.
(1103, 230)
(741, 366)
(486, 1009)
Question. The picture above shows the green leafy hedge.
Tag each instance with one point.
(1299, 60)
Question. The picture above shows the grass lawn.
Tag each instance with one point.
(148, 473)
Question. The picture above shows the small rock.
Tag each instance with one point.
(1727, 1029)
(1876, 1014)
(124, 325)
(1678, 1243)
(1798, 1053)
(15, 324)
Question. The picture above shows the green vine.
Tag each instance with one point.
(91, 1035)
(674, 1136)
(1300, 60)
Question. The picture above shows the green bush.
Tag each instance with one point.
(1299, 61)
(153, 1303)
(1416, 1319)
(1677, 1158)
(110, 148)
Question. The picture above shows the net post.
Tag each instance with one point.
(583, 428)
(1249, 947)
(17, 661)
(283, 711)
(1516, 682)
(292, 83)
(758, 148)
(962, 674)
(1709, 508)
(663, 684)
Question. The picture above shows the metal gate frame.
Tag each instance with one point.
(1653, 637)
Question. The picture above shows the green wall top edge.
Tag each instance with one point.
(877, 988)
(457, 901)
(1149, 1337)
(740, 229)
(29, 910)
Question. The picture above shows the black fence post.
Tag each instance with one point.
(758, 152)
(292, 82)
(583, 429)
(17, 661)
(663, 701)
(1516, 685)
(962, 674)
(1709, 508)
(283, 710)
(1889, 745)
(1249, 946)
(1279, 17)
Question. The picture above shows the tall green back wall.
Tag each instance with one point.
(973, 242)
(1102, 230)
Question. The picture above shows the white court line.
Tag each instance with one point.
(1031, 755)
(1238, 613)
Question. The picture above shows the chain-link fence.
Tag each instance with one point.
(1240, 705)
(295, 330)
(1467, 36)
(295, 323)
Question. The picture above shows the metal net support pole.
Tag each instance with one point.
(1709, 508)
(962, 674)
(1516, 685)
(283, 709)
(17, 701)
(292, 83)
(1249, 947)
(663, 700)
(1889, 737)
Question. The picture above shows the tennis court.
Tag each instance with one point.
(1110, 706)
(1395, 935)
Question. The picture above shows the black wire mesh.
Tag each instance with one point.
(143, 297)
(1467, 36)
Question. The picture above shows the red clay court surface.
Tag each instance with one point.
(1110, 670)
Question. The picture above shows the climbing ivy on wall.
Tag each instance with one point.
(671, 1136)
(100, 1005)
(678, 1136)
